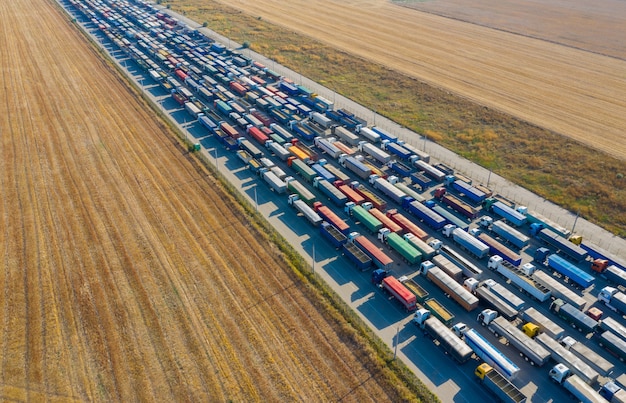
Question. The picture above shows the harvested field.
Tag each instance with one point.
(575, 93)
(124, 276)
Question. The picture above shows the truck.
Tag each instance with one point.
(282, 132)
(420, 293)
(247, 145)
(529, 349)
(593, 359)
(387, 188)
(361, 215)
(613, 393)
(497, 384)
(430, 170)
(536, 218)
(303, 193)
(350, 193)
(336, 238)
(573, 316)
(488, 353)
(541, 324)
(562, 356)
(510, 234)
(448, 267)
(369, 134)
(374, 152)
(468, 268)
(321, 120)
(329, 216)
(303, 152)
(470, 192)
(304, 209)
(340, 176)
(399, 292)
(492, 300)
(459, 206)
(257, 134)
(428, 216)
(447, 340)
(507, 296)
(598, 253)
(410, 192)
(275, 183)
(396, 149)
(380, 259)
(355, 166)
(615, 275)
(360, 259)
(559, 290)
(421, 180)
(370, 196)
(574, 252)
(447, 284)
(385, 135)
(346, 135)
(569, 270)
(388, 223)
(400, 168)
(193, 110)
(303, 169)
(279, 172)
(496, 248)
(611, 325)
(406, 224)
(450, 217)
(278, 150)
(330, 191)
(511, 215)
(427, 251)
(575, 384)
(411, 255)
(520, 278)
(614, 344)
(614, 299)
(327, 146)
(466, 241)
(439, 311)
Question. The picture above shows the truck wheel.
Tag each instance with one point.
(496, 334)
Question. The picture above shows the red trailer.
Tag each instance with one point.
(181, 74)
(238, 88)
(328, 215)
(387, 222)
(407, 225)
(350, 194)
(378, 256)
(229, 130)
(400, 292)
(258, 135)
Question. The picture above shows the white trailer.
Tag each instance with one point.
(327, 146)
(370, 134)
(374, 152)
(390, 190)
(567, 358)
(281, 152)
(275, 183)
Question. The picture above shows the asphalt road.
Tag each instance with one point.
(449, 380)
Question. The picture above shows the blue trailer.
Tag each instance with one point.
(598, 253)
(425, 214)
(475, 195)
(491, 355)
(574, 252)
(510, 234)
(334, 194)
(357, 256)
(323, 172)
(575, 274)
(304, 131)
(398, 150)
(384, 135)
(288, 88)
(422, 180)
(331, 233)
(400, 168)
(513, 216)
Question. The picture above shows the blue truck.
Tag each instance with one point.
(470, 192)
(384, 135)
(400, 168)
(428, 216)
(579, 320)
(422, 180)
(323, 172)
(575, 274)
(465, 240)
(330, 191)
(336, 237)
(511, 215)
(396, 149)
(574, 252)
(357, 256)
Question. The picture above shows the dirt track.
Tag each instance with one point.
(123, 273)
(576, 93)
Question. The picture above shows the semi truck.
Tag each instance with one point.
(574, 252)
(328, 147)
(336, 238)
(275, 183)
(427, 251)
(360, 259)
(361, 215)
(388, 223)
(302, 191)
(302, 169)
(447, 340)
(329, 216)
(520, 278)
(369, 134)
(614, 344)
(509, 214)
(485, 350)
(614, 299)
(322, 172)
(448, 267)
(430, 170)
(510, 234)
(350, 193)
(497, 384)
(305, 209)
(421, 180)
(466, 241)
(569, 270)
(391, 285)
(455, 290)
(540, 324)
(496, 248)
(380, 259)
(593, 359)
(507, 296)
(400, 168)
(470, 192)
(396, 149)
(408, 253)
(330, 191)
(575, 384)
(388, 189)
(450, 217)
(536, 218)
(455, 203)
(374, 152)
(340, 176)
(439, 311)
(428, 216)
(469, 269)
(406, 224)
(613, 393)
(573, 316)
(492, 300)
(370, 196)
(559, 290)
(409, 191)
(346, 135)
(420, 293)
(562, 356)
(278, 150)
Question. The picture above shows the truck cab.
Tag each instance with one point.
(470, 284)
(485, 222)
(439, 192)
(530, 329)
(494, 261)
(486, 316)
(372, 179)
(383, 233)
(425, 266)
(535, 228)
(447, 230)
(559, 373)
(459, 329)
(378, 275)
(435, 243)
(292, 199)
(606, 294)
(420, 317)
(541, 254)
(392, 179)
(599, 265)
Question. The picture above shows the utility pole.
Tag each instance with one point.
(575, 220)
(395, 350)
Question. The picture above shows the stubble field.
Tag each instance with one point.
(128, 273)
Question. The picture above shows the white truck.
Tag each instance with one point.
(575, 385)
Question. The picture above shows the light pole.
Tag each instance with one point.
(395, 350)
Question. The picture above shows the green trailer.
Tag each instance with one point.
(370, 222)
(404, 248)
(304, 170)
(439, 311)
(303, 193)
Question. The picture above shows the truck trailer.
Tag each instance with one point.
(573, 316)
(400, 293)
(569, 270)
(456, 291)
(559, 290)
(567, 358)
(545, 325)
(520, 278)
(510, 234)
(501, 387)
(469, 269)
(491, 355)
(447, 340)
(496, 248)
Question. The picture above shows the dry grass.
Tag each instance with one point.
(123, 273)
(562, 170)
